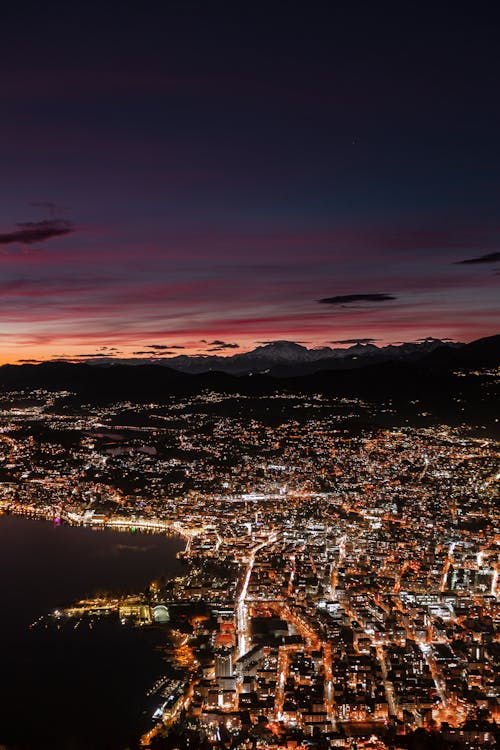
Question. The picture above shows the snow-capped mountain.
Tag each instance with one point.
(290, 358)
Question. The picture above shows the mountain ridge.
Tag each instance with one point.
(434, 376)
(283, 358)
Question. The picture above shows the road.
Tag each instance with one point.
(242, 625)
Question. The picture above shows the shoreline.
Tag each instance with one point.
(135, 681)
(114, 523)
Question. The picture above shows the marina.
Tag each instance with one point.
(90, 678)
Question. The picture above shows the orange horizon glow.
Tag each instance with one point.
(120, 347)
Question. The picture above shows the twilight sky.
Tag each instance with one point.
(175, 174)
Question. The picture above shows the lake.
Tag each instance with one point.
(75, 689)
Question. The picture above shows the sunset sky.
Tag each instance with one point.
(175, 174)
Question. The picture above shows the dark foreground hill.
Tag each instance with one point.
(451, 384)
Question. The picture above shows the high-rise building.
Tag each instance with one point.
(223, 663)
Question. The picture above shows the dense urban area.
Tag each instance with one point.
(340, 586)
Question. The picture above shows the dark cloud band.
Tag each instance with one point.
(345, 299)
(161, 347)
(354, 341)
(219, 345)
(488, 258)
(36, 231)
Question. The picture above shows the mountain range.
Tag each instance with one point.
(431, 370)
(287, 358)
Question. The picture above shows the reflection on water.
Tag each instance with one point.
(81, 688)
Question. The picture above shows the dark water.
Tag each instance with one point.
(72, 689)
